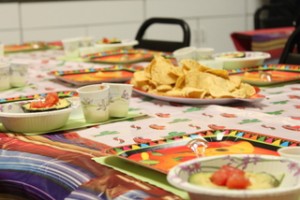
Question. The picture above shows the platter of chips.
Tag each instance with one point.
(191, 83)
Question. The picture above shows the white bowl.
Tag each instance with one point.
(251, 59)
(290, 152)
(185, 53)
(15, 119)
(289, 188)
(125, 44)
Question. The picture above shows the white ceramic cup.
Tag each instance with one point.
(18, 74)
(71, 47)
(4, 76)
(290, 152)
(94, 101)
(119, 98)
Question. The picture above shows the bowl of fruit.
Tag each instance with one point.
(34, 116)
(238, 176)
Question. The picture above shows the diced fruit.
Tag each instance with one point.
(51, 102)
(51, 99)
(219, 177)
(37, 104)
(237, 181)
(230, 177)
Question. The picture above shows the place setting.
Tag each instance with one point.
(67, 110)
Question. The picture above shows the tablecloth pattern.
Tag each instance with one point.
(60, 166)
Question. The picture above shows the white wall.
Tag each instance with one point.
(211, 21)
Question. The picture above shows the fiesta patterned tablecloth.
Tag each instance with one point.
(61, 165)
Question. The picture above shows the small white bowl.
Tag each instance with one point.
(125, 44)
(251, 59)
(15, 119)
(277, 166)
(185, 53)
(290, 152)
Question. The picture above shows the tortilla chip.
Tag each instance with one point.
(159, 70)
(180, 83)
(194, 92)
(189, 64)
(164, 88)
(219, 72)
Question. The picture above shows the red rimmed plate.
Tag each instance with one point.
(162, 155)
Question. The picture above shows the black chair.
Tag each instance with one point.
(274, 16)
(291, 50)
(163, 45)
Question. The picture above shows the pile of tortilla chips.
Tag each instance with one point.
(190, 79)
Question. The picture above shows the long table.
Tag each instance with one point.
(70, 164)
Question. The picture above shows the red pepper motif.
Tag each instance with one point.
(216, 127)
(228, 115)
(292, 128)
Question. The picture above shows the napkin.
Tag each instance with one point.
(139, 172)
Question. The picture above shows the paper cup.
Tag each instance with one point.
(94, 101)
(71, 47)
(119, 99)
(18, 74)
(1, 49)
(185, 53)
(204, 53)
(4, 76)
(85, 41)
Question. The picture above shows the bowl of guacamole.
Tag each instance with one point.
(238, 176)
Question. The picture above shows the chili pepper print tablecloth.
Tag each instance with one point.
(61, 166)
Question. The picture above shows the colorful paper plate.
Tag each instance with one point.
(162, 155)
(82, 77)
(31, 46)
(123, 56)
(269, 74)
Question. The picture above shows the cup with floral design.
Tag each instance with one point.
(4, 76)
(119, 99)
(18, 74)
(94, 101)
(71, 47)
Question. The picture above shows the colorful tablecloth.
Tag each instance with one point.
(62, 165)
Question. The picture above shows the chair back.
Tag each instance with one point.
(291, 50)
(273, 16)
(163, 45)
